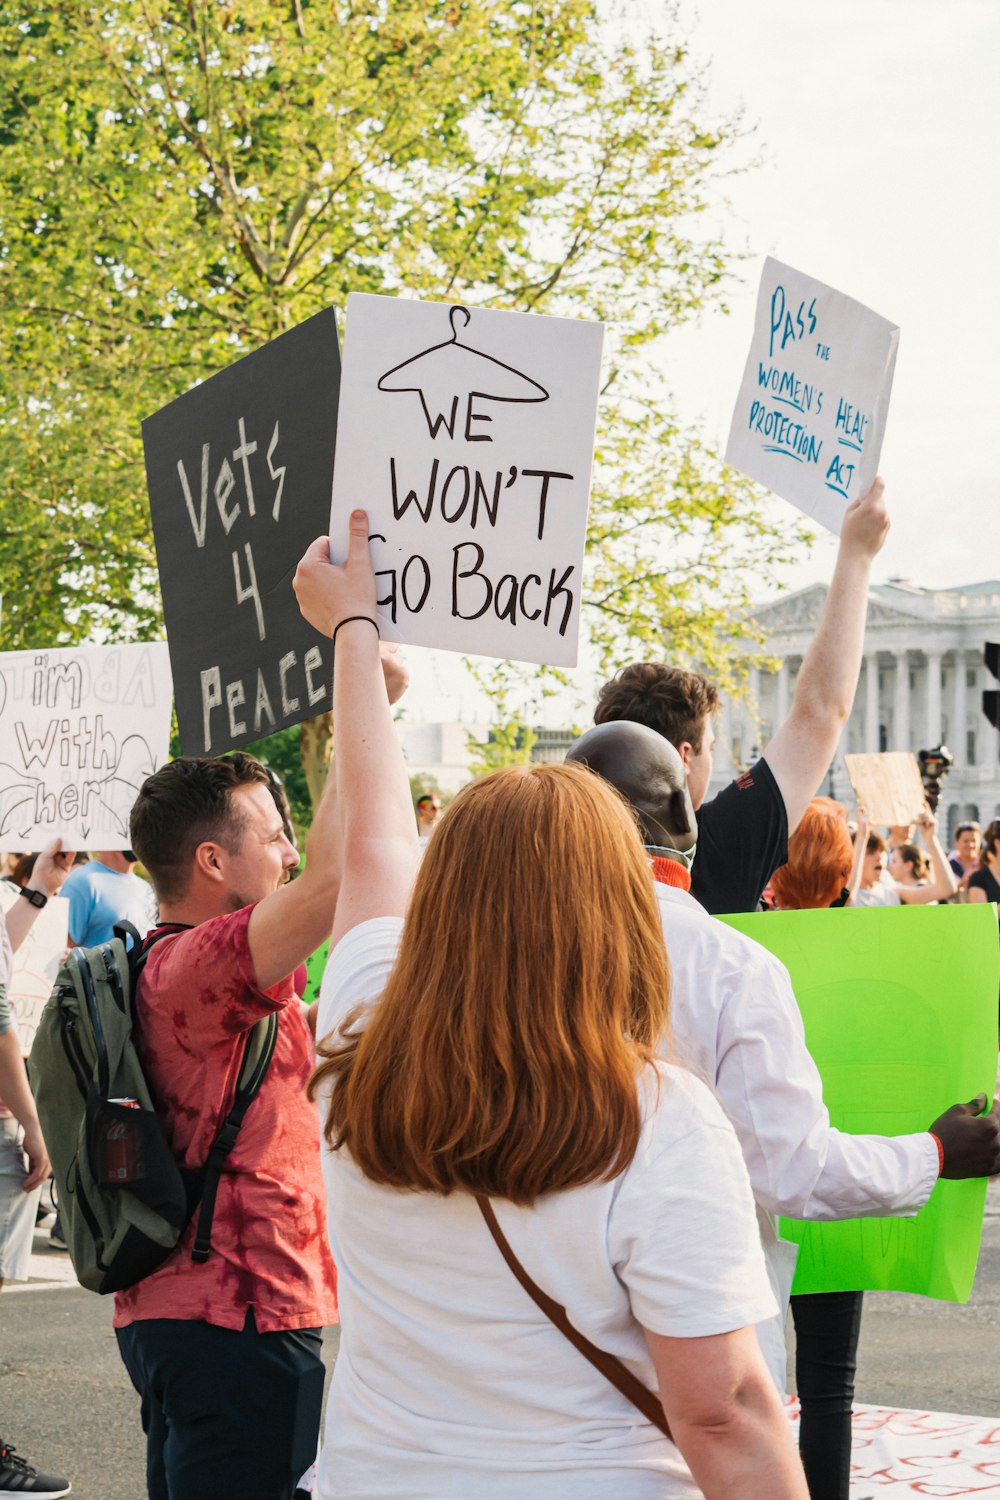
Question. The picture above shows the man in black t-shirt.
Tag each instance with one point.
(743, 832)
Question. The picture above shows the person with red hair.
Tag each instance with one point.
(824, 871)
(820, 861)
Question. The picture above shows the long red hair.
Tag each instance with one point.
(530, 990)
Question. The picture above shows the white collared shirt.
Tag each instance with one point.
(735, 1022)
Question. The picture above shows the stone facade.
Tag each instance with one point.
(921, 685)
(440, 751)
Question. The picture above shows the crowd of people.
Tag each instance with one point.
(537, 1169)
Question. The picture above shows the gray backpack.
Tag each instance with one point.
(124, 1200)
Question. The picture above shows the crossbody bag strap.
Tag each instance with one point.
(257, 1053)
(611, 1368)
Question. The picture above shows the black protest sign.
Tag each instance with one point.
(239, 473)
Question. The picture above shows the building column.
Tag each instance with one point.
(781, 710)
(724, 741)
(959, 710)
(932, 727)
(871, 704)
(837, 764)
(753, 714)
(901, 703)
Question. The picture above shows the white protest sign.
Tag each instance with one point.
(811, 412)
(36, 962)
(468, 436)
(80, 730)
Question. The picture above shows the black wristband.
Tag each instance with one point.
(37, 898)
(342, 623)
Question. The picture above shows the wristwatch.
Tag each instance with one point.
(37, 898)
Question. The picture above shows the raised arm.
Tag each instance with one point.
(803, 747)
(377, 829)
(292, 923)
(861, 833)
(51, 868)
(944, 885)
(295, 919)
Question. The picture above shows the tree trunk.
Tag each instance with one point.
(316, 747)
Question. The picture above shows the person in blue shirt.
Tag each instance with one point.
(104, 891)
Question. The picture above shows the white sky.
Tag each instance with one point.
(879, 125)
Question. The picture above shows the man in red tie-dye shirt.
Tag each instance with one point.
(226, 1354)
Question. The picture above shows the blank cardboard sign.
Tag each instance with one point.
(887, 786)
(36, 963)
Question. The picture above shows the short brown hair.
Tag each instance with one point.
(504, 1057)
(819, 859)
(181, 805)
(673, 702)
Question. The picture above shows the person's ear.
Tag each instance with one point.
(209, 861)
(686, 750)
(679, 814)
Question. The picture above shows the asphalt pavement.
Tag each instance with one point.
(67, 1404)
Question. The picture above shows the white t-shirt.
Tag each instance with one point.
(450, 1382)
(879, 894)
(735, 1022)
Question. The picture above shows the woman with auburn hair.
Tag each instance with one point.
(494, 1109)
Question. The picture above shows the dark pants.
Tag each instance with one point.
(225, 1413)
(827, 1327)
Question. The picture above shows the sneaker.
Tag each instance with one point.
(18, 1478)
(58, 1242)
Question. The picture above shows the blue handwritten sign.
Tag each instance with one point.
(810, 416)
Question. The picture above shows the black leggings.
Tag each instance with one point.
(827, 1327)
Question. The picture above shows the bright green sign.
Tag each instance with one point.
(900, 1012)
(315, 964)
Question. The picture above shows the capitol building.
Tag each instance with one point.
(921, 686)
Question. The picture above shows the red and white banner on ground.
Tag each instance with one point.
(897, 1453)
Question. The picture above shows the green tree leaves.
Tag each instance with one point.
(180, 182)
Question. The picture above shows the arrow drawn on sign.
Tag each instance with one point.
(114, 793)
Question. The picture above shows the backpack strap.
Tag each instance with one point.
(137, 950)
(258, 1049)
(611, 1368)
(127, 931)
